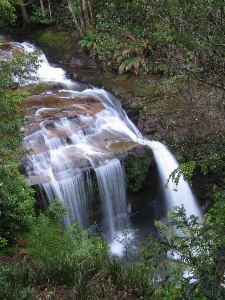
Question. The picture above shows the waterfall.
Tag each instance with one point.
(62, 180)
(63, 146)
(113, 196)
(174, 195)
(46, 72)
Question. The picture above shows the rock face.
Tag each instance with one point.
(70, 133)
(71, 123)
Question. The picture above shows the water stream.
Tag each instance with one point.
(71, 139)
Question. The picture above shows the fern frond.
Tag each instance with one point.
(44, 239)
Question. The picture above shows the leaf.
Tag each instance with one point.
(89, 45)
(122, 67)
(117, 53)
(126, 51)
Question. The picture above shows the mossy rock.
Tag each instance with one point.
(58, 44)
(55, 38)
(137, 167)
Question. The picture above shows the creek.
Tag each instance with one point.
(79, 136)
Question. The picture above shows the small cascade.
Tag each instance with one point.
(112, 191)
(174, 195)
(62, 180)
(56, 166)
(46, 72)
(72, 191)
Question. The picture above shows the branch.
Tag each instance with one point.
(200, 79)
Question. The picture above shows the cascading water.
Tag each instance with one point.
(174, 195)
(113, 196)
(65, 145)
(46, 72)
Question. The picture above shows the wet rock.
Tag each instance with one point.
(83, 62)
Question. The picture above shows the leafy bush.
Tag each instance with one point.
(197, 248)
(16, 197)
(16, 203)
(136, 172)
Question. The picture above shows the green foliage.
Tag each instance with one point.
(164, 37)
(16, 203)
(3, 242)
(88, 40)
(26, 293)
(57, 210)
(185, 170)
(199, 247)
(11, 120)
(125, 239)
(55, 15)
(11, 285)
(207, 159)
(57, 254)
(44, 239)
(173, 293)
(212, 157)
(69, 257)
(136, 171)
(22, 65)
(153, 254)
(16, 197)
(7, 12)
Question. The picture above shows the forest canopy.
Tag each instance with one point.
(139, 36)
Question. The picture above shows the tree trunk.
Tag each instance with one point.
(85, 12)
(24, 13)
(79, 29)
(42, 8)
(49, 8)
(81, 13)
(90, 8)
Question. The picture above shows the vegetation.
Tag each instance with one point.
(167, 37)
(136, 171)
(7, 11)
(196, 250)
(83, 263)
(16, 198)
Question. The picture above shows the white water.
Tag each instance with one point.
(112, 190)
(46, 72)
(67, 182)
(174, 195)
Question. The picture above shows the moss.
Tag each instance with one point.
(36, 89)
(54, 39)
(136, 171)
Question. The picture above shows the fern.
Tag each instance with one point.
(88, 40)
(79, 243)
(209, 289)
(44, 239)
(128, 64)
